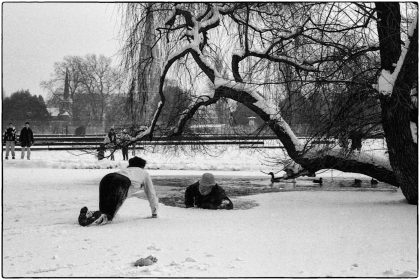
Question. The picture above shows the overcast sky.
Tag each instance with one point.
(35, 35)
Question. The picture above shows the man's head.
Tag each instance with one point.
(27, 124)
(11, 125)
(206, 183)
(111, 130)
(136, 162)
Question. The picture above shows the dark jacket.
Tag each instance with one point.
(112, 137)
(26, 137)
(10, 134)
(211, 201)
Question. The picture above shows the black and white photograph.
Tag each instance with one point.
(209, 139)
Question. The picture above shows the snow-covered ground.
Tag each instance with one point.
(223, 158)
(286, 234)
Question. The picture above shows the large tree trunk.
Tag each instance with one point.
(403, 151)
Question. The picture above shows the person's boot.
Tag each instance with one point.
(13, 157)
(7, 157)
(87, 217)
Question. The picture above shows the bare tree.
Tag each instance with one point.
(310, 44)
(92, 80)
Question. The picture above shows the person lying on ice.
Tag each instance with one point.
(207, 194)
(115, 188)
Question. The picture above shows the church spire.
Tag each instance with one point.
(66, 94)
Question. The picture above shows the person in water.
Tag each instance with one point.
(207, 194)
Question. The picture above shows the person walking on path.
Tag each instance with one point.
(112, 138)
(26, 139)
(124, 141)
(133, 133)
(10, 139)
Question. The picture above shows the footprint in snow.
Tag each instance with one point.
(146, 271)
(388, 272)
(153, 247)
(189, 259)
(202, 267)
(407, 274)
(173, 263)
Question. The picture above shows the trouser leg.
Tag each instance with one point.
(22, 156)
(113, 190)
(13, 148)
(7, 148)
(125, 153)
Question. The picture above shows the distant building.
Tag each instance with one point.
(54, 112)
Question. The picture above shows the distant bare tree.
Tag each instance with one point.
(92, 80)
(310, 52)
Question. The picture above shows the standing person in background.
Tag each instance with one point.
(10, 139)
(112, 137)
(124, 142)
(133, 134)
(26, 139)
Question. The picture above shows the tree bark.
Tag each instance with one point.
(403, 151)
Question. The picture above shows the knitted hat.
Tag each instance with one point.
(206, 183)
(136, 162)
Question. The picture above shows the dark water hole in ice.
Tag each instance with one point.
(171, 189)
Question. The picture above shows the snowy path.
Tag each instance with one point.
(290, 234)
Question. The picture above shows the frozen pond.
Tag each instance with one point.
(342, 231)
(171, 188)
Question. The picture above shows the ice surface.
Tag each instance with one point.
(275, 234)
(288, 234)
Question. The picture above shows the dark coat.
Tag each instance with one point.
(26, 137)
(211, 201)
(112, 137)
(356, 140)
(10, 134)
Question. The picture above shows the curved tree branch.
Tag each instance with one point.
(312, 159)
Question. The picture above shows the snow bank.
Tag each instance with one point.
(219, 158)
(289, 234)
